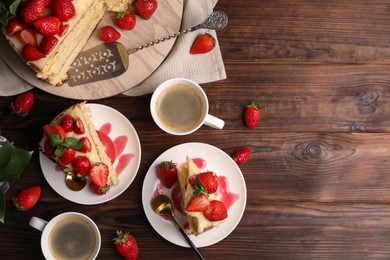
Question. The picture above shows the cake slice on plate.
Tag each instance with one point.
(201, 206)
(72, 139)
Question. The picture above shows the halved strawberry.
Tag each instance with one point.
(48, 25)
(78, 127)
(216, 212)
(48, 43)
(64, 9)
(63, 29)
(31, 53)
(32, 10)
(49, 150)
(198, 204)
(67, 123)
(14, 26)
(87, 147)
(209, 179)
(97, 190)
(27, 36)
(67, 156)
(55, 134)
(99, 174)
(81, 165)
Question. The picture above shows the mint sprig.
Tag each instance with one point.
(8, 10)
(69, 142)
(199, 188)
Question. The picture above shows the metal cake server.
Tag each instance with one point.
(106, 61)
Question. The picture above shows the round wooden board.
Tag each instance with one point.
(166, 20)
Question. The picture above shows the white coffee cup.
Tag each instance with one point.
(179, 106)
(70, 235)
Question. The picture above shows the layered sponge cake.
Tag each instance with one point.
(72, 140)
(203, 210)
(73, 33)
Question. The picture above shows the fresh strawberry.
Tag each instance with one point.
(48, 43)
(47, 3)
(146, 8)
(32, 10)
(167, 173)
(67, 156)
(109, 34)
(14, 26)
(208, 179)
(216, 212)
(97, 190)
(203, 44)
(27, 198)
(55, 134)
(241, 156)
(252, 115)
(49, 150)
(23, 104)
(31, 53)
(63, 29)
(198, 204)
(87, 147)
(48, 25)
(67, 123)
(63, 9)
(125, 20)
(126, 245)
(27, 36)
(99, 174)
(78, 126)
(81, 165)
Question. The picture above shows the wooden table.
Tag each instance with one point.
(318, 181)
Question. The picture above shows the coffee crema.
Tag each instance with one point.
(180, 108)
(73, 238)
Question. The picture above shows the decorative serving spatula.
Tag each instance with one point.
(106, 61)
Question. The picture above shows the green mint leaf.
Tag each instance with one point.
(59, 150)
(199, 188)
(72, 142)
(55, 140)
(14, 7)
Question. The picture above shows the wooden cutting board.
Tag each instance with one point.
(166, 20)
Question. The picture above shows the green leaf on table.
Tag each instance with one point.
(5, 155)
(18, 162)
(2, 207)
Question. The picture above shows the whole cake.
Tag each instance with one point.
(49, 34)
(72, 140)
(201, 206)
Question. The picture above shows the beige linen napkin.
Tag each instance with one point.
(201, 68)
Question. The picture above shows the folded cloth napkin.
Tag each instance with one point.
(201, 68)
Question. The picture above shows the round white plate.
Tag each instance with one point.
(120, 126)
(217, 161)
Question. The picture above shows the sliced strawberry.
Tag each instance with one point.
(78, 127)
(208, 179)
(32, 10)
(48, 43)
(87, 147)
(48, 25)
(63, 29)
(99, 174)
(97, 190)
(68, 155)
(216, 212)
(198, 204)
(49, 150)
(67, 123)
(55, 134)
(64, 9)
(13, 27)
(27, 36)
(81, 165)
(31, 53)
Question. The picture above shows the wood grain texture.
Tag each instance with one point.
(318, 182)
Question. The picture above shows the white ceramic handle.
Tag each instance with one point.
(214, 122)
(38, 223)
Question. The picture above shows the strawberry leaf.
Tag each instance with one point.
(55, 140)
(199, 188)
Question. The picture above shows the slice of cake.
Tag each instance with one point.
(59, 48)
(201, 206)
(71, 139)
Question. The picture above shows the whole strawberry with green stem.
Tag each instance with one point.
(126, 245)
(167, 173)
(252, 114)
(27, 198)
(23, 104)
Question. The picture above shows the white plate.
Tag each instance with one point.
(120, 126)
(217, 161)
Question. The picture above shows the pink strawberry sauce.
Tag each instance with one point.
(115, 148)
(224, 194)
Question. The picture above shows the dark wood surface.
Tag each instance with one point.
(318, 181)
